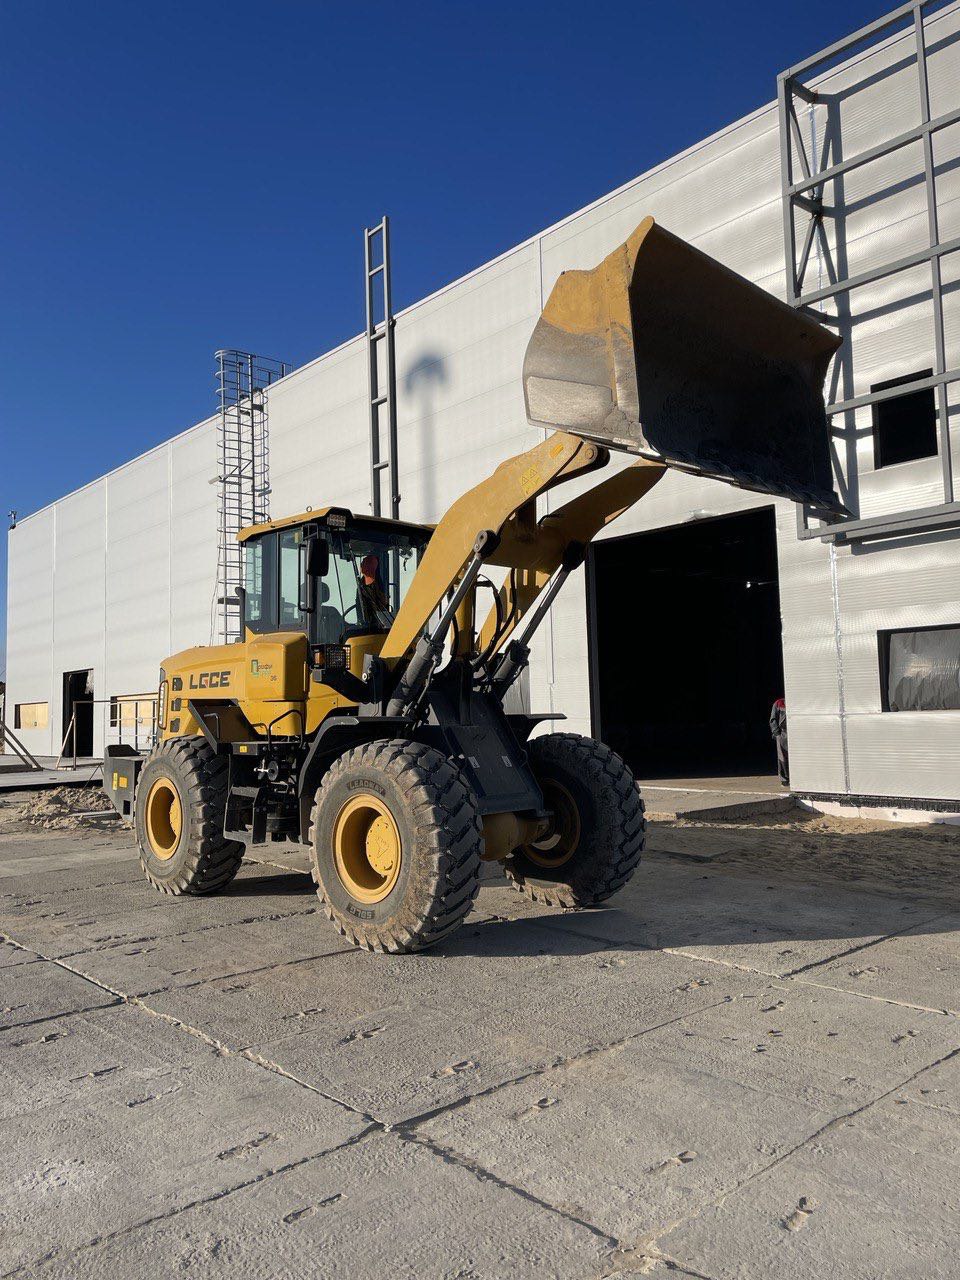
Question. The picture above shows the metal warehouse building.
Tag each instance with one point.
(843, 195)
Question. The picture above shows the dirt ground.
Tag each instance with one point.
(917, 860)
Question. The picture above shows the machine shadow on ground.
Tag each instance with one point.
(778, 888)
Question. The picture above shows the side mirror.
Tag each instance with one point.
(314, 563)
(318, 556)
(241, 594)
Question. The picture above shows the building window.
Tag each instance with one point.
(905, 426)
(132, 710)
(30, 715)
(920, 670)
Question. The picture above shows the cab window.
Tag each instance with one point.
(290, 617)
(260, 581)
(371, 568)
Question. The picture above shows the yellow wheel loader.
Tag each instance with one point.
(363, 715)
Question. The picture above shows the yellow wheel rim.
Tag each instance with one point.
(367, 849)
(563, 836)
(164, 818)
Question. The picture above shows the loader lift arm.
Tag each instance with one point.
(658, 351)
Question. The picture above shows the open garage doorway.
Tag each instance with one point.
(686, 655)
(78, 713)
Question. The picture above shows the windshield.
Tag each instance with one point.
(370, 571)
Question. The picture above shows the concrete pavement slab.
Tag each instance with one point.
(874, 1197)
(151, 1120)
(938, 1089)
(641, 1135)
(62, 928)
(630, 1139)
(401, 1037)
(31, 992)
(151, 964)
(810, 1043)
(919, 967)
(10, 955)
(768, 927)
(350, 1215)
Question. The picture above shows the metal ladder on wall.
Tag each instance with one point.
(243, 478)
(381, 373)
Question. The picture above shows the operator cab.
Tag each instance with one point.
(328, 574)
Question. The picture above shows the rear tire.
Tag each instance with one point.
(597, 839)
(180, 802)
(396, 843)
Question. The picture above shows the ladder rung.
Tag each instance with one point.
(381, 466)
(380, 400)
(375, 271)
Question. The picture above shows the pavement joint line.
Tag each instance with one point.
(78, 888)
(784, 1156)
(648, 1252)
(869, 995)
(723, 964)
(448, 1156)
(213, 1042)
(62, 1013)
(199, 1203)
(861, 946)
(559, 1064)
(99, 948)
(243, 973)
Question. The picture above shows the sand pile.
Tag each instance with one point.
(64, 808)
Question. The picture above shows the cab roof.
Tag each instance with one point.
(319, 514)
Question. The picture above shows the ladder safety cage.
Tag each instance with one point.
(805, 178)
(243, 476)
(381, 372)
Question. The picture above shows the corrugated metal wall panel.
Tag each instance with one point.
(138, 572)
(911, 754)
(816, 754)
(30, 591)
(192, 567)
(79, 598)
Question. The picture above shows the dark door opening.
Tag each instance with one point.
(686, 654)
(78, 697)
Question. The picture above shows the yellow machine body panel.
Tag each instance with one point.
(266, 676)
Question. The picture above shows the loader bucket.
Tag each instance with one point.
(663, 352)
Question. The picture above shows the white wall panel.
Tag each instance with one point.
(30, 589)
(192, 568)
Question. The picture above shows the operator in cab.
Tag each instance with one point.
(373, 598)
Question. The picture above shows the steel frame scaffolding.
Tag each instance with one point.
(243, 479)
(381, 376)
(804, 195)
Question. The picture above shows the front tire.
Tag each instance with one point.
(396, 842)
(180, 802)
(597, 835)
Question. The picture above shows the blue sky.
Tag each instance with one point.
(183, 177)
